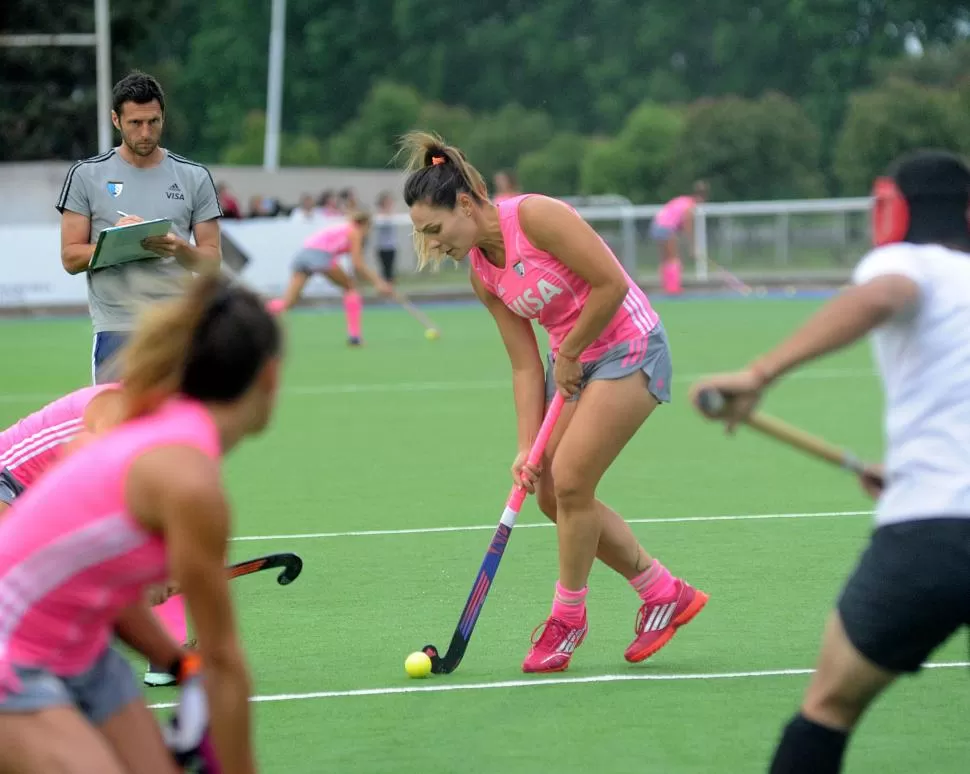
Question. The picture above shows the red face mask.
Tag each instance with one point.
(890, 213)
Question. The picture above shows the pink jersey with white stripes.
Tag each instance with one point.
(36, 442)
(537, 285)
(71, 554)
(332, 239)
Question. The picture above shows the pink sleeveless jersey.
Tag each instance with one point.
(673, 212)
(36, 442)
(72, 556)
(536, 285)
(332, 239)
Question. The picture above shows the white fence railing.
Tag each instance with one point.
(723, 232)
(783, 238)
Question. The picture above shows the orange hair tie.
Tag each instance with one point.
(436, 160)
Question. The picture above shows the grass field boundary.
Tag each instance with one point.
(539, 682)
(536, 525)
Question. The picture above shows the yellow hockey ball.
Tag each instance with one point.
(418, 664)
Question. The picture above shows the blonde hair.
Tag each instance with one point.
(437, 174)
(207, 344)
(360, 217)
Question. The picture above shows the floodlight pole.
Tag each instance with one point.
(102, 31)
(274, 86)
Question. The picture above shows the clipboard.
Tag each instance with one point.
(122, 244)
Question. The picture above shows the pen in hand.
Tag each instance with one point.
(128, 220)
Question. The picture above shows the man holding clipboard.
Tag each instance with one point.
(139, 182)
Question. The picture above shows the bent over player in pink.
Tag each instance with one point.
(321, 254)
(676, 215)
(130, 509)
(29, 448)
(533, 257)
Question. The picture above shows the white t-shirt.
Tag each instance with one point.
(924, 359)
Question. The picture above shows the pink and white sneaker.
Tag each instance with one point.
(554, 648)
(657, 623)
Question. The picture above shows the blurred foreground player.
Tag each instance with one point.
(911, 588)
(131, 509)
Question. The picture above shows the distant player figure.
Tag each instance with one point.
(133, 508)
(321, 254)
(676, 216)
(535, 258)
(506, 186)
(911, 588)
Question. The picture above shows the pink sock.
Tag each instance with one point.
(569, 606)
(172, 616)
(654, 584)
(670, 276)
(353, 304)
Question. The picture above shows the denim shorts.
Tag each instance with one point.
(651, 355)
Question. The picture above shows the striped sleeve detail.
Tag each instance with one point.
(66, 188)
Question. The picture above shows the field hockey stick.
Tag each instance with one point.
(713, 404)
(732, 281)
(412, 310)
(486, 574)
(291, 563)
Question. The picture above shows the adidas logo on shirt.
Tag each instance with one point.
(174, 192)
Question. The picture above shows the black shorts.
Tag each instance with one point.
(387, 263)
(10, 488)
(909, 593)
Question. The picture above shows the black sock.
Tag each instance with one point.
(808, 748)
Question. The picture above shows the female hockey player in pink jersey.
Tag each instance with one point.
(533, 257)
(128, 510)
(34, 444)
(321, 254)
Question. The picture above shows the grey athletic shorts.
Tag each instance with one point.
(10, 488)
(311, 261)
(650, 355)
(102, 691)
(660, 233)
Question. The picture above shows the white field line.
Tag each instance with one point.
(435, 687)
(485, 527)
(458, 386)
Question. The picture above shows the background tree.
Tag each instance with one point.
(896, 117)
